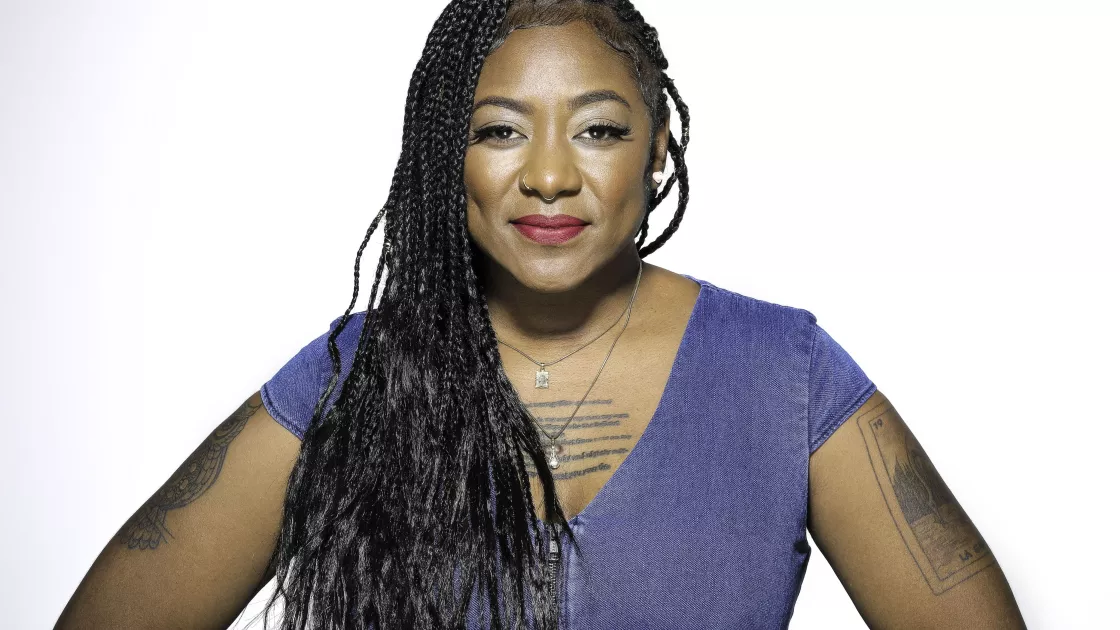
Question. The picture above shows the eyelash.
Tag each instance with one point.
(613, 130)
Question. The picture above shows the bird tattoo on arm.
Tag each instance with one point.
(147, 528)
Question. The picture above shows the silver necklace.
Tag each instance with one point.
(541, 381)
(553, 450)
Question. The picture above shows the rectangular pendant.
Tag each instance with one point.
(542, 378)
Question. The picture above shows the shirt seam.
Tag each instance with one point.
(808, 388)
(800, 578)
(851, 409)
(277, 415)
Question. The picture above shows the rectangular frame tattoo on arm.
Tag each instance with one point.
(941, 538)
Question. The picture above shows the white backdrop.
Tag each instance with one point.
(183, 186)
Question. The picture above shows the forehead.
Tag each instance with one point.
(554, 62)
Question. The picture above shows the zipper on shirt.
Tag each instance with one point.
(553, 568)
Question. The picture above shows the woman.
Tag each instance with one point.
(534, 427)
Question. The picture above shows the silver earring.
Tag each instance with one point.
(658, 176)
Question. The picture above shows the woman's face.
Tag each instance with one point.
(559, 128)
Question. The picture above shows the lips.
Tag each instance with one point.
(552, 221)
(549, 230)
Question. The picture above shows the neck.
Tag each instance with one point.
(520, 313)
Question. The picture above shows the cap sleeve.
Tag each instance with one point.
(837, 387)
(291, 394)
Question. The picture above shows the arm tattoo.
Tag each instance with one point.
(147, 528)
(944, 543)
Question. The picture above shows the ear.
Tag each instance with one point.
(660, 147)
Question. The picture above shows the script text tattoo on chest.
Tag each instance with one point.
(589, 440)
(943, 542)
(147, 528)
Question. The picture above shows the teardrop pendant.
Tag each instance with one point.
(552, 452)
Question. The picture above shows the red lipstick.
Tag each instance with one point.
(549, 230)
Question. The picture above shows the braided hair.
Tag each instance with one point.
(410, 498)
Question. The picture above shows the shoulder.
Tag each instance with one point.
(752, 311)
(316, 353)
(789, 344)
(292, 393)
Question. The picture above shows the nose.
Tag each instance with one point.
(549, 170)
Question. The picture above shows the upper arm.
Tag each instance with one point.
(197, 551)
(900, 543)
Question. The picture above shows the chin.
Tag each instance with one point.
(555, 275)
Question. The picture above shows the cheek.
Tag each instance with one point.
(488, 178)
(617, 178)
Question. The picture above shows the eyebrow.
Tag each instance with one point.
(583, 100)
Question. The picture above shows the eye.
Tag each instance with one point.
(605, 133)
(499, 134)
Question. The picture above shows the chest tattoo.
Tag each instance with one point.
(595, 440)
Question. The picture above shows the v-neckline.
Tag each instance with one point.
(674, 377)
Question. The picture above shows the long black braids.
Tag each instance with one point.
(628, 13)
(679, 174)
(410, 498)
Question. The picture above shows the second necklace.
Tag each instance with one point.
(553, 450)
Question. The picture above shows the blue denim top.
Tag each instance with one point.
(703, 524)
